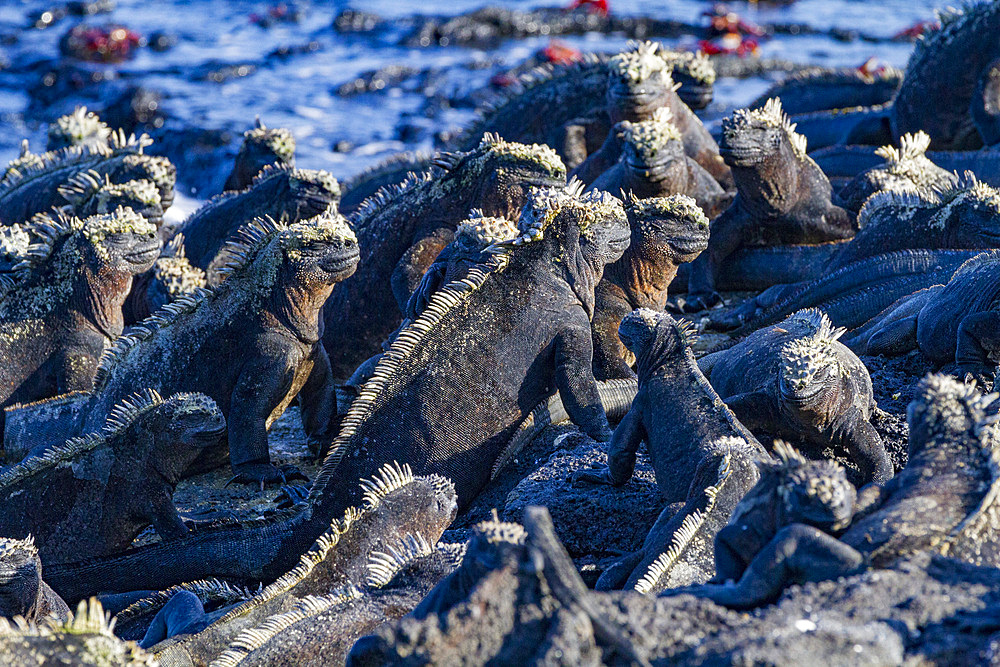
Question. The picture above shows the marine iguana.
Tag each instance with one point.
(639, 83)
(906, 169)
(653, 164)
(62, 306)
(80, 128)
(94, 494)
(279, 276)
(782, 196)
(88, 193)
(85, 639)
(665, 232)
(824, 88)
(171, 278)
(262, 146)
(796, 380)
(953, 324)
(34, 189)
(22, 591)
(669, 379)
(943, 501)
(285, 194)
(402, 229)
(359, 551)
(519, 300)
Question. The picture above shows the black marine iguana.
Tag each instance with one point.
(23, 592)
(62, 306)
(285, 194)
(262, 146)
(943, 501)
(94, 494)
(957, 323)
(666, 232)
(796, 380)
(520, 300)
(654, 164)
(402, 229)
(782, 196)
(80, 128)
(823, 88)
(252, 343)
(88, 193)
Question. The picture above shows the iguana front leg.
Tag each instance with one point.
(164, 516)
(574, 378)
(415, 261)
(796, 555)
(978, 346)
(860, 438)
(318, 401)
(727, 234)
(891, 339)
(621, 453)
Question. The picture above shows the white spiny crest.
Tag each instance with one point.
(787, 454)
(801, 359)
(953, 405)
(389, 477)
(126, 412)
(384, 565)
(495, 531)
(911, 147)
(10, 546)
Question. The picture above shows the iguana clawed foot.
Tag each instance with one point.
(291, 495)
(694, 303)
(265, 473)
(596, 474)
(980, 375)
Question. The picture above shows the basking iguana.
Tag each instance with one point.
(402, 229)
(654, 164)
(782, 196)
(796, 380)
(906, 168)
(675, 412)
(88, 193)
(823, 88)
(62, 305)
(955, 324)
(943, 501)
(22, 591)
(285, 194)
(171, 278)
(34, 188)
(80, 128)
(85, 639)
(358, 550)
(94, 494)
(262, 146)
(520, 306)
(252, 343)
(666, 232)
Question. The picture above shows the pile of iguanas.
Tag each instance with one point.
(436, 327)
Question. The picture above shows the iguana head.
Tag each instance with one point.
(310, 191)
(655, 337)
(263, 146)
(639, 81)
(320, 250)
(669, 229)
(695, 74)
(20, 576)
(80, 128)
(753, 136)
(651, 146)
(816, 493)
(497, 175)
(121, 241)
(810, 373)
(90, 194)
(969, 214)
(946, 411)
(190, 420)
(480, 231)
(159, 170)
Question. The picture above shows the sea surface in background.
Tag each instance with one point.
(346, 134)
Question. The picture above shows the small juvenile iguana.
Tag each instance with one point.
(22, 591)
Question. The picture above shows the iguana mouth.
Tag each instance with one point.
(741, 153)
(210, 435)
(690, 244)
(146, 255)
(343, 261)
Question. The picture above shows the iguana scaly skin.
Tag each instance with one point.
(252, 343)
(639, 83)
(796, 380)
(389, 172)
(262, 146)
(89, 193)
(86, 639)
(782, 196)
(943, 501)
(693, 416)
(62, 306)
(679, 549)
(22, 591)
(94, 494)
(567, 106)
(34, 188)
(906, 169)
(81, 128)
(402, 229)
(957, 323)
(171, 278)
(654, 164)
(665, 232)
(362, 550)
(823, 88)
(285, 194)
